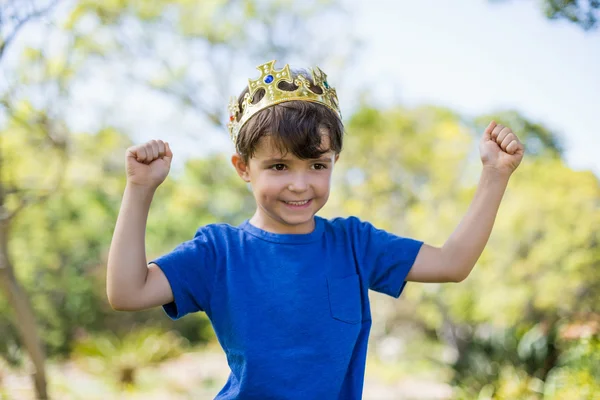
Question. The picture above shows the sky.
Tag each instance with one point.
(472, 56)
(476, 56)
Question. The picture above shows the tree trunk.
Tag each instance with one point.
(24, 316)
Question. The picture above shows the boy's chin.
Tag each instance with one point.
(295, 217)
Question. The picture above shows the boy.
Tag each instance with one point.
(286, 291)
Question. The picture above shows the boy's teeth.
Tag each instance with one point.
(297, 203)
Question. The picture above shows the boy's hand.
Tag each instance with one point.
(148, 164)
(501, 149)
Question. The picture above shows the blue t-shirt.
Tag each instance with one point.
(291, 311)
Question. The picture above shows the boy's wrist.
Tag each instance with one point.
(495, 174)
(140, 191)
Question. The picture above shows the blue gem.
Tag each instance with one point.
(268, 78)
(326, 84)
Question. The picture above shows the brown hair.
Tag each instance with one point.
(296, 126)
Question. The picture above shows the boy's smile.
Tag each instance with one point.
(288, 190)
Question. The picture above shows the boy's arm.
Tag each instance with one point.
(501, 153)
(455, 260)
(130, 283)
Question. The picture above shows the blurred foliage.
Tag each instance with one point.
(121, 357)
(166, 44)
(578, 373)
(583, 13)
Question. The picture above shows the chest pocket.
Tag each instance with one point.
(344, 299)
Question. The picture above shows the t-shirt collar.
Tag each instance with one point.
(291, 238)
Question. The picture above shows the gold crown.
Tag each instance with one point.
(269, 80)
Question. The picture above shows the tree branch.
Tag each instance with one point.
(20, 23)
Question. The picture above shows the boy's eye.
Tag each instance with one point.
(319, 166)
(278, 167)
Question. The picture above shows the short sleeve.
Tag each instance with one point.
(386, 258)
(189, 268)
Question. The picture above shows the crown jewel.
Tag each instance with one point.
(268, 81)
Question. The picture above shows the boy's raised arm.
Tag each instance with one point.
(130, 283)
(501, 153)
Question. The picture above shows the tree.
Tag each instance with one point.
(15, 197)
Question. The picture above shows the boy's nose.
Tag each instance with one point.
(298, 184)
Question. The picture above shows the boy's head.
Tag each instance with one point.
(288, 134)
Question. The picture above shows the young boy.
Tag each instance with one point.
(286, 291)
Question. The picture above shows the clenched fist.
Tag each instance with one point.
(148, 164)
(500, 148)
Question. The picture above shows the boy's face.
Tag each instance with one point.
(288, 191)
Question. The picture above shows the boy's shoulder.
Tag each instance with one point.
(350, 223)
(217, 227)
(344, 221)
(216, 232)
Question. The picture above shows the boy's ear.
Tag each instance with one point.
(337, 157)
(241, 167)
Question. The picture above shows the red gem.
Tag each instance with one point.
(231, 118)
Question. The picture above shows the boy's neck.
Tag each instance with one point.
(269, 224)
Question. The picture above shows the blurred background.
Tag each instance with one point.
(418, 81)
